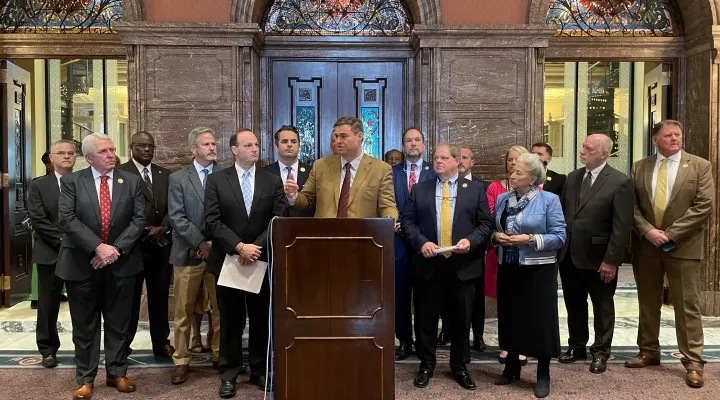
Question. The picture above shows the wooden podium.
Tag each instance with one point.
(333, 310)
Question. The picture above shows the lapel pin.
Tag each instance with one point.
(549, 178)
(685, 165)
(120, 180)
(427, 167)
(302, 169)
(464, 185)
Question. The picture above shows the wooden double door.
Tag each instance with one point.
(313, 95)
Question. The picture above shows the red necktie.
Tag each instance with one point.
(104, 208)
(344, 194)
(413, 178)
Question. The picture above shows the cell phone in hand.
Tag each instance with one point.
(668, 246)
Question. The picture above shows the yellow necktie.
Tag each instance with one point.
(660, 200)
(445, 219)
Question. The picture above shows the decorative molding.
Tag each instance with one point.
(134, 10)
(190, 34)
(707, 42)
(50, 45)
(482, 36)
(615, 48)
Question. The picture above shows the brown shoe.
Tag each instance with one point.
(122, 383)
(84, 392)
(180, 374)
(694, 379)
(641, 361)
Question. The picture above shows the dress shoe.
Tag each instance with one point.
(403, 351)
(33, 304)
(542, 387)
(260, 381)
(464, 379)
(84, 392)
(166, 351)
(422, 379)
(180, 374)
(442, 339)
(641, 361)
(227, 389)
(216, 365)
(598, 364)
(123, 384)
(479, 344)
(694, 379)
(572, 355)
(49, 361)
(509, 375)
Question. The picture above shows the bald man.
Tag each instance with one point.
(598, 203)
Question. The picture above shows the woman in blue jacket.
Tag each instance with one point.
(529, 229)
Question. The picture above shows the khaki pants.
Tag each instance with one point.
(186, 288)
(650, 265)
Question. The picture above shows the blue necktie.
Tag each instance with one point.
(247, 191)
(205, 175)
(289, 173)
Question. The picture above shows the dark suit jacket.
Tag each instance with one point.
(400, 184)
(471, 221)
(42, 200)
(79, 217)
(156, 203)
(554, 182)
(227, 220)
(599, 224)
(301, 178)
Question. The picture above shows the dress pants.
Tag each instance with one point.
(232, 314)
(478, 311)
(106, 295)
(403, 299)
(156, 275)
(577, 284)
(650, 265)
(443, 287)
(49, 292)
(187, 281)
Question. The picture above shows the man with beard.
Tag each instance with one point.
(405, 176)
(154, 245)
(287, 145)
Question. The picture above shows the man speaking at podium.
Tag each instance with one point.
(349, 184)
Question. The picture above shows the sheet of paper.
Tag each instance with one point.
(441, 250)
(244, 277)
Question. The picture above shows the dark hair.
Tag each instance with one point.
(664, 123)
(408, 130)
(233, 138)
(387, 154)
(290, 128)
(545, 145)
(45, 157)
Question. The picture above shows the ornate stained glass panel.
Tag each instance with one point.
(59, 16)
(612, 17)
(338, 18)
(371, 131)
(306, 127)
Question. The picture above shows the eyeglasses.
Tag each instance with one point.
(144, 146)
(105, 151)
(64, 153)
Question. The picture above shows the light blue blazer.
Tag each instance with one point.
(543, 216)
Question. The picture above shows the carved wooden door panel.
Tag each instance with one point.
(313, 95)
(15, 152)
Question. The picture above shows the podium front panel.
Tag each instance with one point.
(333, 292)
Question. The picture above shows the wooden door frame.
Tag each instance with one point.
(332, 49)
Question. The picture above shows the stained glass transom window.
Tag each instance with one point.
(612, 17)
(59, 16)
(338, 18)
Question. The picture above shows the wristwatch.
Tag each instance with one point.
(531, 242)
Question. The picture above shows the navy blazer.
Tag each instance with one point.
(302, 176)
(400, 183)
(471, 221)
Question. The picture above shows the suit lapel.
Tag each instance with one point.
(680, 178)
(599, 181)
(433, 211)
(195, 181)
(334, 166)
(130, 167)
(362, 172)
(303, 175)
(89, 184)
(259, 182)
(648, 169)
(459, 196)
(234, 182)
(403, 179)
(117, 191)
(424, 172)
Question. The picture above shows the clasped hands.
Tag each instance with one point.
(657, 237)
(428, 249)
(104, 256)
(248, 252)
(511, 240)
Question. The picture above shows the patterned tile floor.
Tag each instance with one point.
(18, 349)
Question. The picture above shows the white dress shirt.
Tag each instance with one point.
(58, 176)
(354, 164)
(408, 170)
(673, 164)
(284, 172)
(96, 178)
(141, 167)
(199, 169)
(469, 176)
(241, 172)
(594, 173)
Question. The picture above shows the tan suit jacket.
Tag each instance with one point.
(691, 203)
(371, 193)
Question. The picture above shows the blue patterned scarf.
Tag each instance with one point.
(514, 207)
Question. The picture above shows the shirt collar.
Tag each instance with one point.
(199, 167)
(96, 174)
(675, 157)
(596, 170)
(451, 180)
(140, 167)
(57, 175)
(354, 164)
(418, 165)
(469, 176)
(294, 166)
(241, 171)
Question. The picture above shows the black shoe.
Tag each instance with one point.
(442, 339)
(509, 375)
(422, 379)
(479, 344)
(260, 381)
(227, 389)
(63, 298)
(33, 304)
(403, 351)
(598, 365)
(572, 355)
(49, 361)
(464, 379)
(542, 387)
